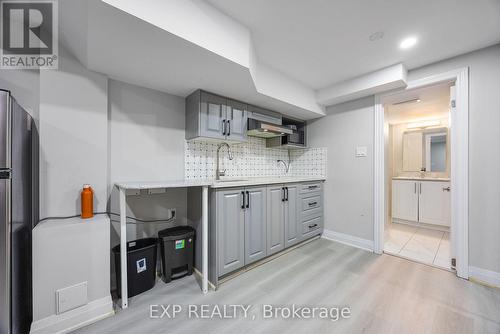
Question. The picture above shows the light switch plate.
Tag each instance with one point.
(361, 151)
(71, 297)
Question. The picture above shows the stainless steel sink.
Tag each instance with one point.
(231, 180)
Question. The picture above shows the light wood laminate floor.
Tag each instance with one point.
(386, 294)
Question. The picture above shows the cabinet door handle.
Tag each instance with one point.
(313, 226)
(312, 203)
(420, 188)
(415, 188)
(446, 189)
(248, 199)
(283, 194)
(286, 199)
(242, 199)
(228, 127)
(313, 187)
(224, 127)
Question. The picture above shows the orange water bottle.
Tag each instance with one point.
(87, 197)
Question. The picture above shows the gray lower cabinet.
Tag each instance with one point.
(275, 219)
(255, 224)
(241, 226)
(230, 230)
(291, 215)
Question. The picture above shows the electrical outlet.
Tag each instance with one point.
(157, 191)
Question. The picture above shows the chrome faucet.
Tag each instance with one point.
(219, 173)
(287, 166)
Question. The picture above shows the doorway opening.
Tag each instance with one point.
(418, 168)
(458, 136)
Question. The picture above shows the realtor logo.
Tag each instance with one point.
(29, 34)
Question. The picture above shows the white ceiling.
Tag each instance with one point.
(434, 104)
(127, 48)
(322, 42)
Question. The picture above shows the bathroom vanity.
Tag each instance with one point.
(421, 200)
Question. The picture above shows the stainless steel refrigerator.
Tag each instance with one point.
(18, 213)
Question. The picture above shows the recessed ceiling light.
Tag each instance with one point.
(376, 36)
(408, 42)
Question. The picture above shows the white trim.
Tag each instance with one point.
(459, 166)
(204, 237)
(349, 240)
(200, 276)
(378, 178)
(71, 320)
(485, 276)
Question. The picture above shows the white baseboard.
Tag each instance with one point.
(484, 276)
(74, 319)
(348, 240)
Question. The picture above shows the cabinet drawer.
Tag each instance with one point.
(311, 187)
(310, 203)
(312, 225)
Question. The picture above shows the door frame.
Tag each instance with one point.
(459, 165)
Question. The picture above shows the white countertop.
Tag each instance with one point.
(416, 178)
(225, 183)
(255, 181)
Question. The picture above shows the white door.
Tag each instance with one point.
(434, 203)
(405, 200)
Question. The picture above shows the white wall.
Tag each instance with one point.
(146, 142)
(484, 156)
(348, 189)
(65, 253)
(25, 87)
(352, 179)
(73, 136)
(146, 133)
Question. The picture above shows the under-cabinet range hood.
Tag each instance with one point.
(266, 125)
(266, 130)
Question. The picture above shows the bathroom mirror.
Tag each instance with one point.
(425, 150)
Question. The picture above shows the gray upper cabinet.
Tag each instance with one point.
(237, 119)
(212, 116)
(291, 212)
(215, 117)
(275, 219)
(230, 230)
(255, 224)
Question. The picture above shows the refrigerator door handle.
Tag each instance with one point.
(5, 174)
(5, 256)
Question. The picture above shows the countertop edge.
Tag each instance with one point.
(139, 185)
(263, 182)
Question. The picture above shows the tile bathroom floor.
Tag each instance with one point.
(419, 244)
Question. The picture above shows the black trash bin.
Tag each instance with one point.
(141, 265)
(177, 249)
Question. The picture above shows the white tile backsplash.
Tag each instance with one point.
(251, 159)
